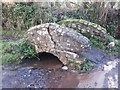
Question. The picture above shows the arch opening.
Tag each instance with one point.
(46, 56)
(49, 59)
(43, 59)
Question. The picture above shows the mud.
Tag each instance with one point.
(47, 73)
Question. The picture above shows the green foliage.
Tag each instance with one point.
(84, 66)
(13, 52)
(111, 28)
(25, 48)
(21, 16)
(8, 58)
(87, 65)
(101, 45)
(116, 48)
(91, 12)
(97, 43)
(96, 40)
(88, 12)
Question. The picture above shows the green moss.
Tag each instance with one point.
(71, 20)
(81, 21)
(14, 51)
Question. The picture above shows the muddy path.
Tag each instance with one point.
(47, 73)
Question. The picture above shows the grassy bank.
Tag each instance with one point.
(14, 51)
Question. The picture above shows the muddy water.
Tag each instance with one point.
(46, 73)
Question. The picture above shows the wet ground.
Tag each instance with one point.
(106, 77)
(47, 73)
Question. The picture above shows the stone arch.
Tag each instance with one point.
(46, 56)
(86, 28)
(60, 41)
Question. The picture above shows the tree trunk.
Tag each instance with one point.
(117, 34)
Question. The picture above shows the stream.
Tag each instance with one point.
(47, 73)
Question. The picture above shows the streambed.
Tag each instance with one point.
(47, 73)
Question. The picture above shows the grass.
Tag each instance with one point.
(87, 65)
(101, 45)
(14, 51)
(15, 33)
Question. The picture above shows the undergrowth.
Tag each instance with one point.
(87, 65)
(14, 51)
(108, 48)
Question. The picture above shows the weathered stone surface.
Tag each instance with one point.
(86, 28)
(60, 41)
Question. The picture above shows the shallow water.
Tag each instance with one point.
(47, 73)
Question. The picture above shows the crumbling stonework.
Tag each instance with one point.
(62, 42)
